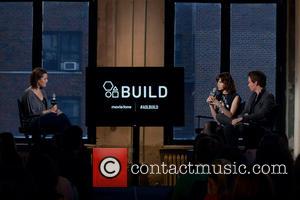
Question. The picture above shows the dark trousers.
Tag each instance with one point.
(250, 133)
(50, 123)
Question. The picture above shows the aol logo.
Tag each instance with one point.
(110, 90)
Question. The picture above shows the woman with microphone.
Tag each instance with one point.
(224, 102)
(40, 116)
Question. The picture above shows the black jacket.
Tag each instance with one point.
(259, 111)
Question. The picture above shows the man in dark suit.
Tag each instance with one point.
(256, 118)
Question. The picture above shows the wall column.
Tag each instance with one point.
(297, 80)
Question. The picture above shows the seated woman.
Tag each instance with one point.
(35, 107)
(225, 104)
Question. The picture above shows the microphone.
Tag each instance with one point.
(53, 100)
(216, 93)
(213, 92)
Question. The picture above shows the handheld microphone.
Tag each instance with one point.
(216, 93)
(53, 100)
(213, 92)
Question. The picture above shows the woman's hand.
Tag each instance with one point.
(58, 112)
(210, 99)
(217, 103)
(54, 109)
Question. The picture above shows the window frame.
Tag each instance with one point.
(37, 40)
(281, 16)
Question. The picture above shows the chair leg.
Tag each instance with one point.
(28, 140)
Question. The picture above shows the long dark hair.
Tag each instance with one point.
(36, 75)
(228, 81)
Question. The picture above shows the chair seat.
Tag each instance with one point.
(25, 125)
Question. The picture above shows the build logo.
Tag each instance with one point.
(110, 167)
(134, 91)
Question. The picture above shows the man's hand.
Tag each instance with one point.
(236, 121)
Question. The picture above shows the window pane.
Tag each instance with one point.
(15, 60)
(253, 44)
(15, 36)
(65, 55)
(197, 41)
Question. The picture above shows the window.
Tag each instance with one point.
(15, 36)
(62, 51)
(51, 34)
(209, 38)
(253, 43)
(65, 51)
(15, 59)
(197, 49)
(71, 107)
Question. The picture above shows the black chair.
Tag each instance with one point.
(24, 123)
(25, 126)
